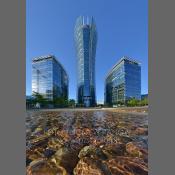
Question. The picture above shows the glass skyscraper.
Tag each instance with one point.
(123, 82)
(49, 78)
(86, 40)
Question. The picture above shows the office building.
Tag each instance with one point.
(85, 40)
(123, 82)
(144, 96)
(49, 78)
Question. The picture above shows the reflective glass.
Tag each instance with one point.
(123, 82)
(85, 41)
(49, 78)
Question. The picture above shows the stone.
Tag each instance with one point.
(136, 149)
(35, 154)
(89, 166)
(117, 166)
(127, 166)
(125, 139)
(49, 152)
(64, 135)
(86, 151)
(113, 150)
(28, 161)
(141, 131)
(42, 167)
(67, 158)
(55, 143)
(92, 151)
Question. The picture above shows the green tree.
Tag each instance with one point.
(60, 102)
(132, 102)
(135, 102)
(144, 102)
(38, 98)
(72, 103)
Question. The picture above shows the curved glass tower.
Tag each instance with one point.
(86, 41)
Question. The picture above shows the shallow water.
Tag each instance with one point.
(73, 130)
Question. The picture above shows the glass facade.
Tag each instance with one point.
(123, 82)
(49, 78)
(86, 41)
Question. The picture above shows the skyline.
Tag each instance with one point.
(51, 32)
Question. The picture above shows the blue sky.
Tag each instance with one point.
(122, 27)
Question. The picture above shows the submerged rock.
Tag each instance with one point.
(55, 143)
(116, 166)
(141, 131)
(48, 152)
(89, 166)
(67, 158)
(136, 149)
(93, 152)
(114, 150)
(86, 151)
(28, 161)
(127, 166)
(86, 143)
(42, 167)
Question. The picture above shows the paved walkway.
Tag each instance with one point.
(119, 109)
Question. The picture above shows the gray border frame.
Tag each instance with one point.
(161, 88)
(12, 92)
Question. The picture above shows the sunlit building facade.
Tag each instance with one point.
(86, 40)
(123, 82)
(49, 78)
